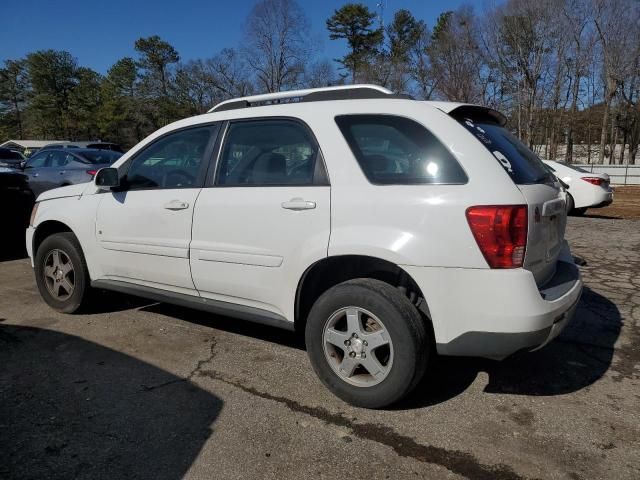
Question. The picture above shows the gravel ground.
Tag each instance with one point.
(143, 390)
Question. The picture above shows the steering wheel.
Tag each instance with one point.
(177, 178)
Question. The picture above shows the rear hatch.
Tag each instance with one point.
(541, 190)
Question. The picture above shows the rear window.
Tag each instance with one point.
(9, 155)
(394, 150)
(101, 156)
(516, 158)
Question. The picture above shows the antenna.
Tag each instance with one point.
(380, 5)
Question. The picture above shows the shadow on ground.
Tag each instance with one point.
(576, 359)
(74, 409)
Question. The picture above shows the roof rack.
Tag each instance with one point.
(341, 92)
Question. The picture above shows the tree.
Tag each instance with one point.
(155, 57)
(14, 89)
(277, 43)
(404, 33)
(354, 22)
(52, 75)
(454, 56)
(84, 102)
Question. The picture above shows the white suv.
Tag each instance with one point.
(387, 229)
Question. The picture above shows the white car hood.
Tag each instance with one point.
(68, 191)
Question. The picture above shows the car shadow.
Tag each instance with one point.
(228, 324)
(601, 217)
(12, 242)
(580, 356)
(73, 409)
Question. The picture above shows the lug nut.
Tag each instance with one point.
(363, 355)
(347, 342)
(365, 343)
(352, 354)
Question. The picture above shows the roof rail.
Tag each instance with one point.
(341, 92)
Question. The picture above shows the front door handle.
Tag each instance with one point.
(298, 204)
(62, 172)
(176, 205)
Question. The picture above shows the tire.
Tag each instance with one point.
(382, 313)
(52, 260)
(570, 204)
(578, 212)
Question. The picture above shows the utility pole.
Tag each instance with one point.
(380, 6)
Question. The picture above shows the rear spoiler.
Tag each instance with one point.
(478, 114)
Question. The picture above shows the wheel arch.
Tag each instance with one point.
(330, 271)
(46, 229)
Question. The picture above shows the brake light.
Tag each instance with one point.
(500, 232)
(593, 180)
(92, 172)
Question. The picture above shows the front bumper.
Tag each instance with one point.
(495, 313)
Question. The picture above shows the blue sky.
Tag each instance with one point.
(99, 32)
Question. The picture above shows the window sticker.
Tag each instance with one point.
(503, 161)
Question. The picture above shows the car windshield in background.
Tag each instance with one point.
(6, 154)
(100, 156)
(518, 160)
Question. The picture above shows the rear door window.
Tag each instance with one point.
(522, 165)
(393, 150)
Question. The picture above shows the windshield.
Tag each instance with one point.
(101, 156)
(516, 158)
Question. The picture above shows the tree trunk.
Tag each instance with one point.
(603, 132)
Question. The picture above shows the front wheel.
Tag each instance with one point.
(61, 272)
(367, 343)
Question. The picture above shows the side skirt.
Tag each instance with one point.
(216, 307)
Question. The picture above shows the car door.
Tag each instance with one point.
(33, 170)
(144, 227)
(264, 219)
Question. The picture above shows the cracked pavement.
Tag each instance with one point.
(136, 389)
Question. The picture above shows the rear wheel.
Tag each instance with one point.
(570, 204)
(578, 212)
(367, 343)
(61, 272)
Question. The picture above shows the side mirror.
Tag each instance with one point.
(107, 178)
(23, 164)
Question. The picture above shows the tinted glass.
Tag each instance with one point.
(58, 159)
(573, 167)
(100, 156)
(171, 162)
(519, 162)
(394, 150)
(38, 160)
(267, 152)
(9, 155)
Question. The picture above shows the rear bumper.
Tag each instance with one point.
(495, 313)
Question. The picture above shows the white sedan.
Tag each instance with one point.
(586, 189)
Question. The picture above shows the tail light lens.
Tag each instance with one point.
(92, 172)
(593, 180)
(501, 233)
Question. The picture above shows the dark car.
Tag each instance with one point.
(10, 158)
(91, 145)
(53, 168)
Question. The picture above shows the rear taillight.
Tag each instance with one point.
(593, 180)
(501, 233)
(92, 172)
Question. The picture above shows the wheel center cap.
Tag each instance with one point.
(357, 345)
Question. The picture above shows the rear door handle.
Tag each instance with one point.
(176, 205)
(62, 172)
(298, 204)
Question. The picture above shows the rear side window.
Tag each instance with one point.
(394, 150)
(522, 165)
(268, 152)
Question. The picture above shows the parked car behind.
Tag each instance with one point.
(91, 145)
(51, 168)
(387, 229)
(10, 158)
(586, 189)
